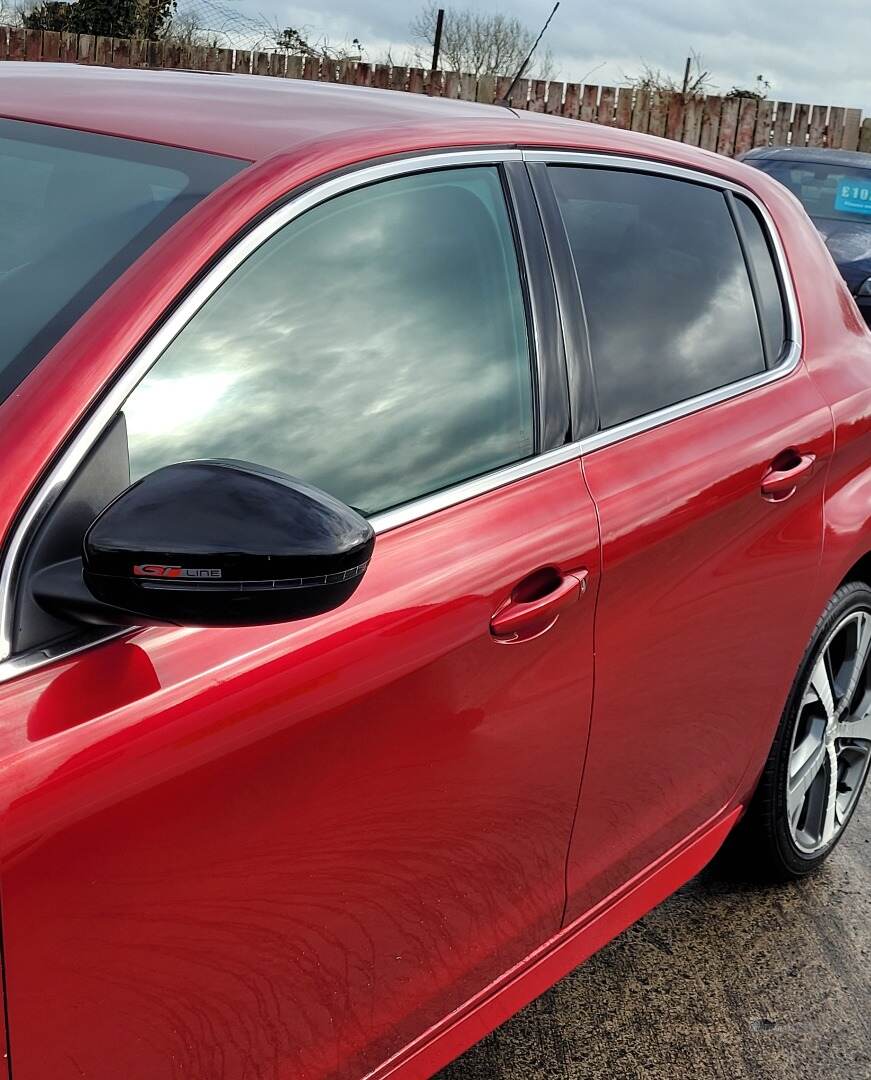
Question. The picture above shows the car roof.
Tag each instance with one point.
(852, 158)
(247, 116)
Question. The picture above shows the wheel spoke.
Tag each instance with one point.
(830, 820)
(858, 727)
(809, 769)
(822, 686)
(863, 646)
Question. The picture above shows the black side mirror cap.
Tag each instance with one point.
(213, 543)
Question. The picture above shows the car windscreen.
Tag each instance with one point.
(76, 209)
(829, 192)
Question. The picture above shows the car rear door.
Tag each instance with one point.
(288, 851)
(706, 462)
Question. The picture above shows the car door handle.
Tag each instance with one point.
(518, 620)
(785, 475)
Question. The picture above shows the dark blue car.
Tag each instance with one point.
(834, 186)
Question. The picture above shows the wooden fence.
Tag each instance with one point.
(725, 124)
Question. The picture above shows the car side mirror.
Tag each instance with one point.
(212, 543)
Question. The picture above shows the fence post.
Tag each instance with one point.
(852, 122)
(865, 136)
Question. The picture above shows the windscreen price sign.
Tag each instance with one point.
(854, 197)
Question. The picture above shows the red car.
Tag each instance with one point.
(427, 531)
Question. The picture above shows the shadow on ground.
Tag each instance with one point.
(724, 980)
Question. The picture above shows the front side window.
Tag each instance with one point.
(76, 209)
(376, 347)
(666, 289)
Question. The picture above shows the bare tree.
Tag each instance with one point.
(695, 83)
(477, 43)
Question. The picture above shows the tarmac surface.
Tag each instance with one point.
(724, 980)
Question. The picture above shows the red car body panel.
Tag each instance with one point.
(698, 569)
(181, 849)
(375, 804)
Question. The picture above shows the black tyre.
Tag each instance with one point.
(819, 761)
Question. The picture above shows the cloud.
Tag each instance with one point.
(808, 53)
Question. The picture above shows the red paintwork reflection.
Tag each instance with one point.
(284, 851)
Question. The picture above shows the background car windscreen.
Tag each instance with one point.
(76, 209)
(827, 191)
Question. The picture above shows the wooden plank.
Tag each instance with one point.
(277, 64)
(503, 83)
(623, 113)
(520, 95)
(199, 57)
(865, 136)
(311, 69)
(798, 134)
(330, 71)
(538, 96)
(692, 120)
(69, 47)
(259, 63)
(817, 133)
(674, 119)
(782, 121)
(486, 89)
(607, 98)
(571, 106)
(293, 70)
(452, 85)
(589, 102)
(4, 42)
(398, 77)
(710, 122)
(347, 72)
(764, 120)
(103, 50)
(154, 53)
(554, 106)
(415, 80)
(641, 110)
(172, 55)
(87, 48)
(224, 60)
(659, 113)
(852, 121)
(120, 52)
(835, 128)
(746, 125)
(433, 83)
(32, 44)
(728, 126)
(15, 47)
(468, 87)
(50, 45)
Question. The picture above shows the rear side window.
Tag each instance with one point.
(666, 290)
(770, 298)
(376, 347)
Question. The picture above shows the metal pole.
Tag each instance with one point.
(686, 74)
(437, 44)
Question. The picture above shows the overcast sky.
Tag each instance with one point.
(809, 52)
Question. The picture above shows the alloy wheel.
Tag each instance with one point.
(831, 739)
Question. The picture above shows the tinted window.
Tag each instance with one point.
(666, 290)
(375, 346)
(75, 210)
(767, 282)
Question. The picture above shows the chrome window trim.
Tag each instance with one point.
(155, 345)
(793, 339)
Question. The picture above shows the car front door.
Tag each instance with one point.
(287, 851)
(707, 470)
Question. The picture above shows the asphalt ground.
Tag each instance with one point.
(724, 980)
